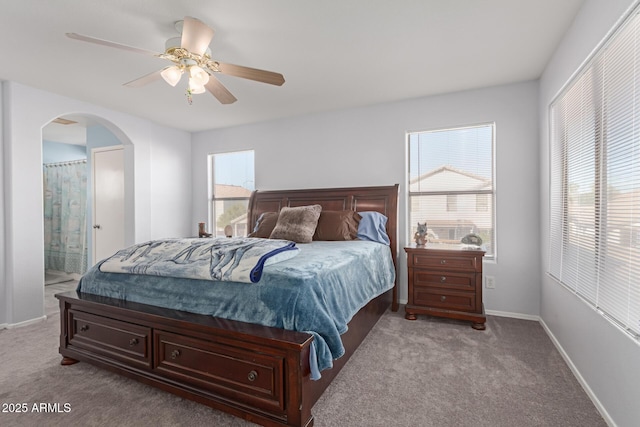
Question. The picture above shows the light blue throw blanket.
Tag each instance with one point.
(318, 291)
(239, 259)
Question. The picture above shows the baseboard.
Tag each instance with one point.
(576, 373)
(513, 315)
(26, 322)
(498, 313)
(4, 325)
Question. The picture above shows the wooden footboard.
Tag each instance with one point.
(250, 371)
(254, 372)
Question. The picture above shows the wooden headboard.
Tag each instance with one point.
(360, 199)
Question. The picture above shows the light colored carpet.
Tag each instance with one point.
(428, 372)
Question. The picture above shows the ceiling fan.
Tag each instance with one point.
(191, 55)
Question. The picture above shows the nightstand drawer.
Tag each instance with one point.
(446, 262)
(444, 279)
(461, 301)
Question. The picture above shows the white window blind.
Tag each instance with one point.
(451, 183)
(595, 181)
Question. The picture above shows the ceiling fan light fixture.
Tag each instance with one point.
(198, 75)
(195, 88)
(172, 75)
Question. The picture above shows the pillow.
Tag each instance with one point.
(297, 224)
(372, 227)
(337, 225)
(264, 225)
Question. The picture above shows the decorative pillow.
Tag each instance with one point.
(264, 225)
(373, 227)
(297, 224)
(337, 225)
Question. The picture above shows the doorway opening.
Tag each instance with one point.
(67, 146)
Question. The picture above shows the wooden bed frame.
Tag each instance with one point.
(255, 372)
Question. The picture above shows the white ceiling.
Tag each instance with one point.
(334, 54)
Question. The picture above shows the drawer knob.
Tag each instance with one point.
(84, 328)
(443, 279)
(443, 298)
(252, 376)
(443, 261)
(175, 354)
(133, 342)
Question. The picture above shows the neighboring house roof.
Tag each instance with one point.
(448, 178)
(225, 190)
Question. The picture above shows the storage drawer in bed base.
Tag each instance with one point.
(110, 338)
(222, 369)
(258, 373)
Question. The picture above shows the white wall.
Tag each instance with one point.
(604, 358)
(170, 193)
(57, 152)
(366, 146)
(25, 111)
(4, 296)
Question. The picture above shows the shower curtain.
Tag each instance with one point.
(65, 209)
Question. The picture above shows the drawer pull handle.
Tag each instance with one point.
(84, 328)
(443, 261)
(133, 342)
(443, 279)
(252, 376)
(175, 354)
(443, 298)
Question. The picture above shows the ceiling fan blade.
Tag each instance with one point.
(251, 73)
(110, 44)
(146, 79)
(219, 91)
(196, 35)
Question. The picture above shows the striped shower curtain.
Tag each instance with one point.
(65, 209)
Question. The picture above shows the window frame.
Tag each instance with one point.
(492, 257)
(212, 199)
(600, 69)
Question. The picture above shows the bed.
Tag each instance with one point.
(260, 373)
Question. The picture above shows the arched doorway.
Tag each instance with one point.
(68, 143)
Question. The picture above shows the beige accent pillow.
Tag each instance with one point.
(297, 224)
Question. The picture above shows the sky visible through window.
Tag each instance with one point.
(235, 169)
(466, 149)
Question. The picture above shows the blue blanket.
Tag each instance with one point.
(239, 259)
(318, 291)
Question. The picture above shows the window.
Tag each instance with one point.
(452, 202)
(451, 183)
(232, 181)
(595, 181)
(482, 203)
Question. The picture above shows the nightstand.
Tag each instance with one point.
(446, 281)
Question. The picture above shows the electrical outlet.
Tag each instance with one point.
(490, 282)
